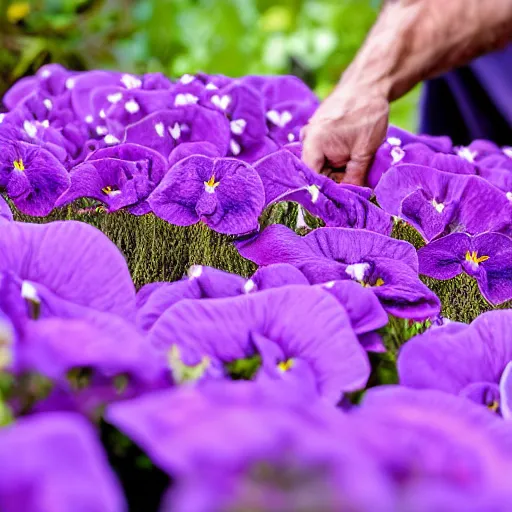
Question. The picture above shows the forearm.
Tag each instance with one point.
(414, 40)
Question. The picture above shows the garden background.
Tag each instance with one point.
(313, 39)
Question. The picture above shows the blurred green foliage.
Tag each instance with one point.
(313, 39)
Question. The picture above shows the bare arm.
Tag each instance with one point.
(412, 40)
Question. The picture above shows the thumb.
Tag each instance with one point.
(312, 154)
(356, 171)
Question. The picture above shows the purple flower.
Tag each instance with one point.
(166, 129)
(64, 448)
(471, 361)
(226, 194)
(486, 257)
(31, 176)
(437, 203)
(63, 265)
(302, 324)
(119, 176)
(203, 283)
(447, 454)
(389, 266)
(361, 304)
(286, 178)
(110, 372)
(241, 446)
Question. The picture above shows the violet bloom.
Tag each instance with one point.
(240, 446)
(437, 203)
(471, 361)
(293, 328)
(66, 265)
(286, 178)
(448, 454)
(388, 266)
(91, 361)
(31, 176)
(224, 193)
(362, 306)
(166, 129)
(486, 257)
(119, 176)
(55, 462)
(202, 283)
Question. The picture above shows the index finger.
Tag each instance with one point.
(312, 153)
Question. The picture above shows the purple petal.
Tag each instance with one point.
(64, 448)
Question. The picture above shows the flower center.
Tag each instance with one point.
(494, 406)
(211, 185)
(438, 206)
(378, 282)
(473, 257)
(110, 191)
(285, 366)
(18, 165)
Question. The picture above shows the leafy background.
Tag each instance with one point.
(314, 39)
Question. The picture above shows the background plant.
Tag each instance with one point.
(314, 39)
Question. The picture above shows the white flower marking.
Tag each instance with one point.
(111, 139)
(30, 129)
(45, 123)
(45, 73)
(221, 101)
(131, 82)
(102, 114)
(2, 117)
(175, 131)
(357, 271)
(101, 130)
(314, 191)
(115, 98)
(187, 79)
(279, 119)
(132, 107)
(89, 119)
(291, 137)
(397, 154)
(329, 284)
(509, 196)
(195, 271)
(70, 83)
(211, 87)
(48, 103)
(394, 141)
(160, 129)
(235, 147)
(467, 154)
(508, 151)
(238, 126)
(249, 286)
(438, 206)
(29, 292)
(185, 99)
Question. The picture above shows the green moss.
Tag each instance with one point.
(404, 231)
(460, 298)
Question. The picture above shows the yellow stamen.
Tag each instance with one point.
(18, 165)
(285, 366)
(474, 258)
(211, 183)
(379, 282)
(17, 11)
(106, 190)
(493, 406)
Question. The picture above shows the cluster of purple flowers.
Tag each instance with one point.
(79, 344)
(242, 391)
(458, 198)
(202, 148)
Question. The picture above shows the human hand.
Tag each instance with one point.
(346, 130)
